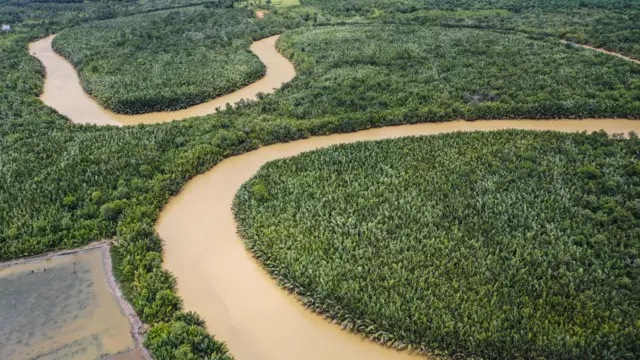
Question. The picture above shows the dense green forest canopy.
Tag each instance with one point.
(434, 74)
(171, 60)
(617, 31)
(49, 14)
(610, 24)
(166, 60)
(503, 245)
(364, 6)
(63, 185)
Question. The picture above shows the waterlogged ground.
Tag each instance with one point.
(61, 308)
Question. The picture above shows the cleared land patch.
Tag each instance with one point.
(60, 308)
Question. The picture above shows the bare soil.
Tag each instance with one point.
(61, 307)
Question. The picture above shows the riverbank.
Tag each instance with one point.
(63, 92)
(244, 307)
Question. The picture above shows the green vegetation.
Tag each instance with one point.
(502, 245)
(63, 185)
(407, 6)
(166, 60)
(268, 3)
(613, 25)
(26, 15)
(615, 31)
(399, 74)
(184, 338)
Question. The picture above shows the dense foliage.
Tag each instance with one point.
(49, 14)
(77, 181)
(503, 245)
(184, 338)
(615, 31)
(166, 60)
(395, 74)
(614, 25)
(63, 185)
(407, 6)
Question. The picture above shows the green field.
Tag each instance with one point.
(502, 245)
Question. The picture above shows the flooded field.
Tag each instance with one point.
(62, 308)
(63, 92)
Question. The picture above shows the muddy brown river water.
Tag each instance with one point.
(242, 305)
(63, 92)
(216, 276)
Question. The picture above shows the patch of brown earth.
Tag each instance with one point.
(60, 307)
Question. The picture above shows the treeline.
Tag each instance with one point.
(362, 7)
(614, 31)
(26, 15)
(610, 24)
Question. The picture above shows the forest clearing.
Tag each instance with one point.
(61, 307)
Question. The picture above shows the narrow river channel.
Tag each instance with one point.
(63, 92)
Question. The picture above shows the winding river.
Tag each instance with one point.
(216, 276)
(222, 282)
(63, 92)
